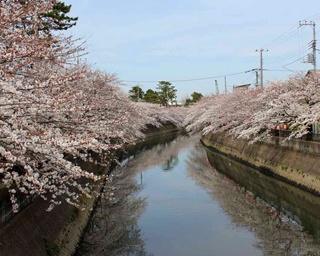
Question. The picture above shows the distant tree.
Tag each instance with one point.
(184, 98)
(167, 92)
(136, 93)
(151, 96)
(196, 96)
(187, 102)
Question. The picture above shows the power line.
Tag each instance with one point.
(245, 80)
(277, 70)
(283, 37)
(273, 44)
(288, 55)
(122, 84)
(184, 80)
(314, 17)
(295, 61)
(288, 34)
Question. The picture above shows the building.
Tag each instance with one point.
(241, 87)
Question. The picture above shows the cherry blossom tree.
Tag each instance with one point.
(294, 102)
(251, 114)
(156, 115)
(222, 112)
(201, 114)
(43, 125)
(55, 111)
(52, 108)
(33, 75)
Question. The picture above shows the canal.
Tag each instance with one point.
(178, 198)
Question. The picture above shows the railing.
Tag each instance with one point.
(5, 205)
(287, 133)
(308, 143)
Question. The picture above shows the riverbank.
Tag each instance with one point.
(33, 231)
(294, 162)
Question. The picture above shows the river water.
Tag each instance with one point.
(178, 198)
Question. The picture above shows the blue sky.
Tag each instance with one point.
(182, 39)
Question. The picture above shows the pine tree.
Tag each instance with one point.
(151, 96)
(166, 92)
(136, 93)
(57, 18)
(54, 19)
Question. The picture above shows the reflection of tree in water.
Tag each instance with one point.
(276, 233)
(162, 154)
(113, 229)
(170, 163)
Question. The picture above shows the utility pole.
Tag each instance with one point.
(217, 87)
(167, 96)
(138, 91)
(261, 67)
(225, 85)
(314, 42)
(257, 77)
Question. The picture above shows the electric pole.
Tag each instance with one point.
(314, 42)
(257, 77)
(261, 67)
(139, 91)
(217, 87)
(225, 85)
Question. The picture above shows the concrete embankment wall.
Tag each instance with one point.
(295, 162)
(33, 231)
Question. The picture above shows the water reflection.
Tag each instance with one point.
(178, 198)
(113, 229)
(169, 164)
(258, 204)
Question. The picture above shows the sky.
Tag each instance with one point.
(144, 42)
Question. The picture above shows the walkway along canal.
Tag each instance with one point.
(179, 198)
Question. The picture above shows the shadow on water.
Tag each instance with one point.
(285, 220)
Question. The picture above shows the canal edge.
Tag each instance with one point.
(275, 163)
